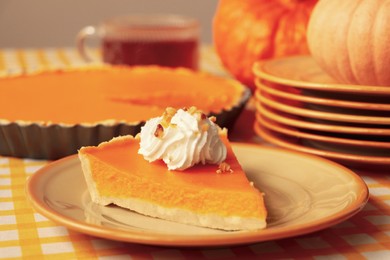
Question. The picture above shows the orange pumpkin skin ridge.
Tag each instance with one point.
(245, 31)
(353, 46)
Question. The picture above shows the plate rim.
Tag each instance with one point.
(227, 239)
(328, 154)
(295, 122)
(289, 130)
(267, 99)
(260, 72)
(287, 94)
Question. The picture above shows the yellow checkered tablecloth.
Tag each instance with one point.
(27, 234)
(16, 61)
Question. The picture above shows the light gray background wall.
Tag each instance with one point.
(54, 23)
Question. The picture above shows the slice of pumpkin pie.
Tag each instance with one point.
(182, 168)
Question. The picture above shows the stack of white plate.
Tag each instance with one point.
(299, 107)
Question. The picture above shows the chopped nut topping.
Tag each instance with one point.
(170, 112)
(159, 131)
(192, 110)
(205, 127)
(213, 119)
(167, 116)
(224, 167)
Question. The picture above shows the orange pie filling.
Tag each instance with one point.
(119, 94)
(119, 171)
(180, 167)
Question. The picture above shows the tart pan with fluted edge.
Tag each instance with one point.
(49, 115)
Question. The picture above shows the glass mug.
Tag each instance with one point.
(165, 40)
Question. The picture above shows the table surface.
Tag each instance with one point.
(27, 234)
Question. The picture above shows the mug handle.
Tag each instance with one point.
(82, 36)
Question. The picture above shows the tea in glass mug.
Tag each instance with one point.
(165, 40)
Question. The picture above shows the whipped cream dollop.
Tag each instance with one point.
(182, 138)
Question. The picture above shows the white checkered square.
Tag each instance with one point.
(28, 160)
(5, 171)
(359, 239)
(369, 206)
(8, 205)
(379, 220)
(5, 181)
(7, 220)
(383, 254)
(52, 232)
(32, 168)
(379, 191)
(9, 235)
(5, 193)
(10, 252)
(4, 161)
(387, 202)
(39, 218)
(369, 180)
(57, 248)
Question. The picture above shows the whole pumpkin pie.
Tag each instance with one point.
(176, 170)
(49, 115)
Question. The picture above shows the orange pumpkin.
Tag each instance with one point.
(350, 40)
(245, 31)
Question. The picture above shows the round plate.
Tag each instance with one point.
(303, 72)
(348, 111)
(296, 145)
(286, 130)
(291, 93)
(295, 121)
(296, 108)
(341, 145)
(298, 200)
